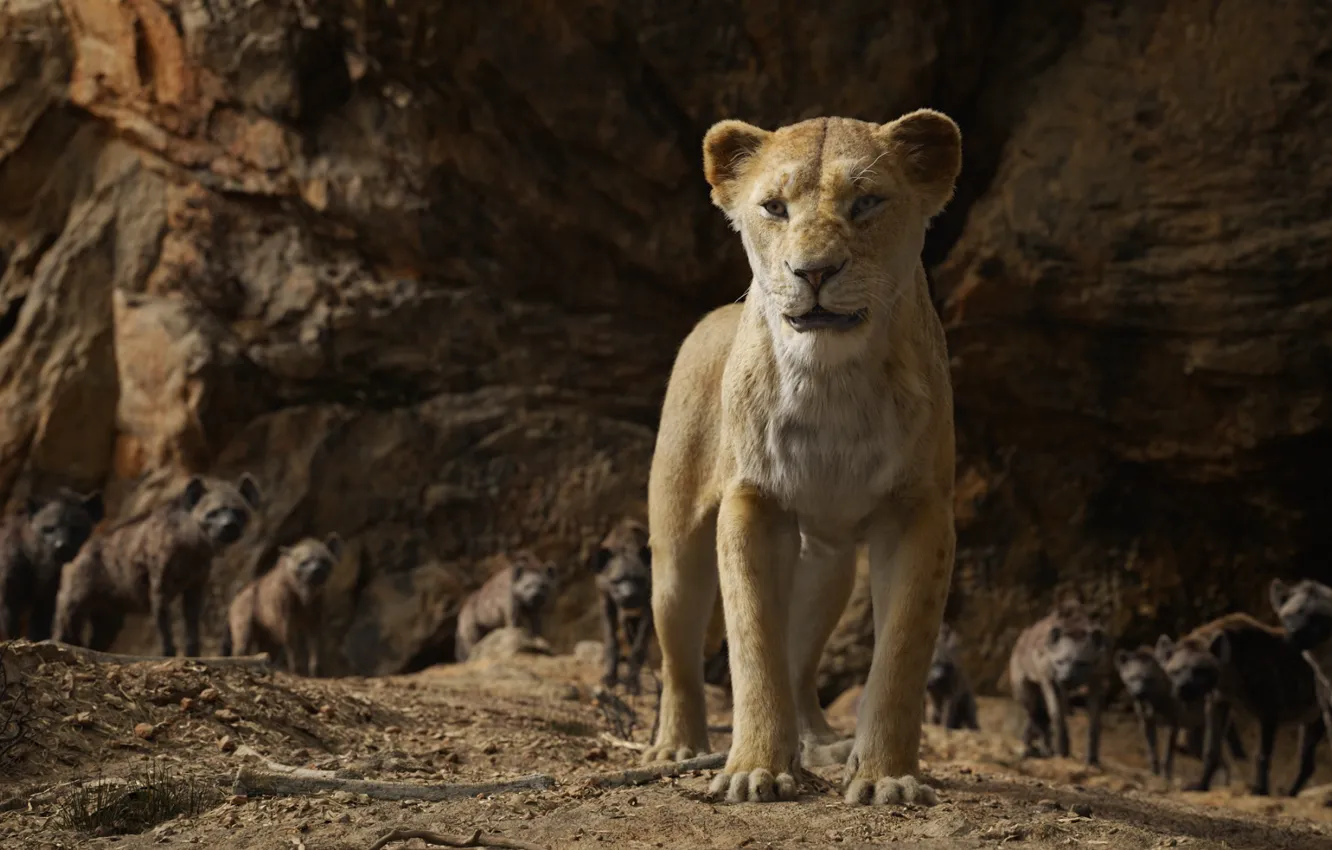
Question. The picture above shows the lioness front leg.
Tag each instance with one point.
(684, 591)
(823, 580)
(911, 564)
(757, 546)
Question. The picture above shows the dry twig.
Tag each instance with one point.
(644, 775)
(477, 839)
(54, 650)
(257, 782)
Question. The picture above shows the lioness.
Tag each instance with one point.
(814, 416)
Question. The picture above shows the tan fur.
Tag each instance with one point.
(1236, 661)
(145, 562)
(779, 451)
(279, 612)
(513, 596)
(1063, 651)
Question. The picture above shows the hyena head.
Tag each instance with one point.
(1141, 673)
(221, 509)
(311, 561)
(944, 663)
(623, 564)
(1194, 665)
(532, 580)
(1305, 610)
(1075, 645)
(58, 526)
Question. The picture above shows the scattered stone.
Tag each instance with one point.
(226, 715)
(145, 731)
(1049, 805)
(392, 730)
(238, 799)
(209, 695)
(226, 744)
(596, 754)
(1082, 810)
(186, 703)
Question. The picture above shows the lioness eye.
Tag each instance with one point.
(775, 208)
(864, 204)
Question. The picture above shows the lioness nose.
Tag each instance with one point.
(817, 277)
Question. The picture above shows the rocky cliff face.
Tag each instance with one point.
(422, 269)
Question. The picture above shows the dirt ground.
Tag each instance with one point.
(492, 720)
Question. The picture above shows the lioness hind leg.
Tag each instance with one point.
(684, 592)
(823, 580)
(758, 544)
(909, 576)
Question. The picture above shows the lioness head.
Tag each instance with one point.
(1305, 609)
(832, 213)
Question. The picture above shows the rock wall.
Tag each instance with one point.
(422, 269)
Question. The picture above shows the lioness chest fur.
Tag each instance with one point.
(813, 418)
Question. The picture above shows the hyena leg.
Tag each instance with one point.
(1037, 728)
(191, 609)
(1217, 715)
(161, 611)
(911, 564)
(684, 590)
(824, 576)
(1267, 729)
(1310, 736)
(610, 641)
(105, 628)
(633, 669)
(1094, 698)
(758, 544)
(1172, 735)
(1056, 705)
(1147, 724)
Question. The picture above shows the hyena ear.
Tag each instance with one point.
(334, 544)
(1165, 647)
(249, 490)
(550, 570)
(928, 147)
(194, 491)
(1278, 592)
(1221, 648)
(94, 507)
(727, 149)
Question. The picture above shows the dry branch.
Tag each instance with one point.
(644, 775)
(52, 650)
(477, 839)
(254, 782)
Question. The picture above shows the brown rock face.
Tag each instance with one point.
(422, 270)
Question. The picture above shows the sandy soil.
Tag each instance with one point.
(492, 720)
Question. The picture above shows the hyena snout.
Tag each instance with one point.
(1307, 630)
(938, 676)
(227, 526)
(1193, 685)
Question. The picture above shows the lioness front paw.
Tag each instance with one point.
(753, 786)
(890, 791)
(668, 752)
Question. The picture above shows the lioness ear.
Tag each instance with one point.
(928, 145)
(727, 146)
(1278, 593)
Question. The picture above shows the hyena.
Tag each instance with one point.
(141, 565)
(952, 702)
(1236, 660)
(35, 545)
(1305, 610)
(1154, 702)
(279, 612)
(623, 565)
(513, 596)
(1059, 653)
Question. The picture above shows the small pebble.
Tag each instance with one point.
(226, 744)
(1082, 810)
(144, 731)
(209, 695)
